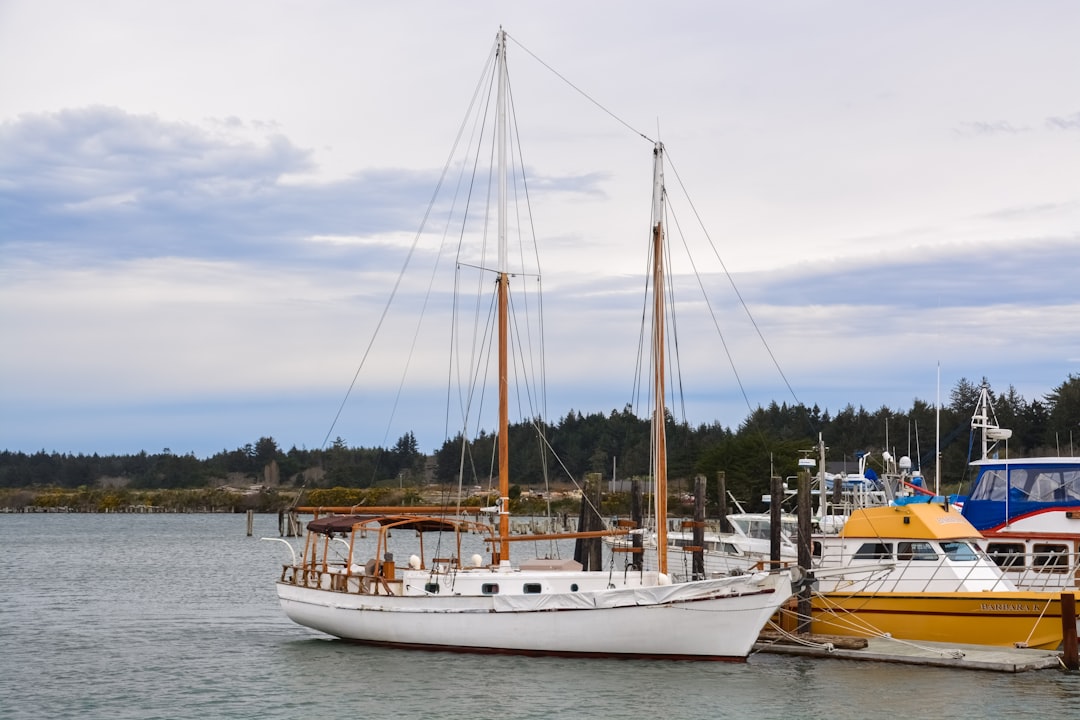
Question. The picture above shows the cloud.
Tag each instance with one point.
(979, 128)
(102, 184)
(1068, 122)
(1014, 271)
(100, 181)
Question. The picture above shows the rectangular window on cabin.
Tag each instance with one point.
(874, 551)
(490, 588)
(1008, 556)
(1051, 558)
(532, 588)
(915, 550)
(816, 549)
(431, 588)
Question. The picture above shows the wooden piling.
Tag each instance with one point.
(1068, 626)
(289, 524)
(804, 548)
(837, 493)
(721, 481)
(776, 491)
(588, 551)
(596, 549)
(250, 522)
(698, 564)
(637, 515)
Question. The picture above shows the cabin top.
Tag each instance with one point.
(921, 520)
(1064, 462)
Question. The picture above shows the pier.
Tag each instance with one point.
(930, 654)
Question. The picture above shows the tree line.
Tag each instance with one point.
(768, 442)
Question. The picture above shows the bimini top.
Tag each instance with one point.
(332, 524)
(923, 521)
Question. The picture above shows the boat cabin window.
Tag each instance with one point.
(816, 549)
(728, 549)
(1051, 557)
(874, 551)
(959, 551)
(990, 486)
(431, 588)
(915, 550)
(758, 529)
(490, 588)
(531, 588)
(789, 529)
(1008, 556)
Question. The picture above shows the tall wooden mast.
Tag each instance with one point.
(503, 311)
(659, 439)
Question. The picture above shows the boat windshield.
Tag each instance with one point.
(1033, 483)
(759, 528)
(959, 551)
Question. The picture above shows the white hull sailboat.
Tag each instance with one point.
(536, 607)
(636, 616)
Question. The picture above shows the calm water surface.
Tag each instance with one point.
(175, 616)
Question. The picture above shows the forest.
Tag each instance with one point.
(558, 454)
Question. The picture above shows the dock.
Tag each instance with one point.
(930, 654)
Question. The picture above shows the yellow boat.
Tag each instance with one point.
(916, 572)
(1017, 619)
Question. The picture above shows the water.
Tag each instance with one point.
(175, 616)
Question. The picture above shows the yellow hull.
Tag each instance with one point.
(1008, 619)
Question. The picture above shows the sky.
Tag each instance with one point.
(204, 206)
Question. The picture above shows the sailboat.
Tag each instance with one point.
(535, 607)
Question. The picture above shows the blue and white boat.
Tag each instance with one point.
(1027, 509)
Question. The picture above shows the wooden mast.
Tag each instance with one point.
(658, 424)
(503, 312)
